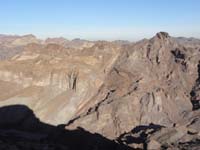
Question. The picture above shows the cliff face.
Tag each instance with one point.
(150, 82)
(56, 81)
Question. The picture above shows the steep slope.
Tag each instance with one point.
(150, 82)
(56, 81)
(26, 132)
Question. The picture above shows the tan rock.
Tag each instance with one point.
(154, 145)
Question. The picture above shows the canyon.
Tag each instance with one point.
(118, 95)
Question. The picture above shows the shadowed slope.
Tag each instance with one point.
(20, 129)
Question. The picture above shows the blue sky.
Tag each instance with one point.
(100, 19)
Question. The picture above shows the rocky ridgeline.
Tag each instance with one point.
(144, 95)
(153, 82)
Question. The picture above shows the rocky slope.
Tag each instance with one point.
(53, 80)
(134, 93)
(26, 132)
(153, 81)
(184, 135)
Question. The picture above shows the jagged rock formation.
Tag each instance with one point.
(150, 83)
(111, 87)
(184, 135)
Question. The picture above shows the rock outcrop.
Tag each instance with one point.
(150, 83)
(184, 135)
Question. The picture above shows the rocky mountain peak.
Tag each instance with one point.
(162, 35)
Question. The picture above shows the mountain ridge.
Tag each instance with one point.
(109, 88)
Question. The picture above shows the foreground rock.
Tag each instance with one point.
(180, 136)
(26, 132)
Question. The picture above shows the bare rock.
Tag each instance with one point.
(162, 35)
(151, 83)
(154, 145)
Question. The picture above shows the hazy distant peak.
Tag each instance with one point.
(57, 40)
(29, 36)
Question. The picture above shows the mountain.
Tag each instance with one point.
(132, 93)
(52, 75)
(76, 43)
(152, 81)
(188, 41)
(11, 45)
(15, 40)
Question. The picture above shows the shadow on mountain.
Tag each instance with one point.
(195, 93)
(20, 129)
(139, 134)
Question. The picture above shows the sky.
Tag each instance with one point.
(100, 19)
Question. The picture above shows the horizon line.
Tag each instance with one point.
(130, 39)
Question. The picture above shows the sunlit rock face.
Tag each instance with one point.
(150, 82)
(56, 81)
